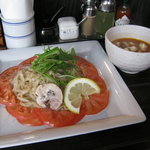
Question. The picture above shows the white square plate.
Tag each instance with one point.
(122, 109)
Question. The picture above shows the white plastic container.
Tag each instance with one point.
(20, 42)
(68, 28)
(16, 9)
(20, 27)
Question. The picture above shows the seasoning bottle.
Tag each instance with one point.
(123, 14)
(105, 16)
(89, 16)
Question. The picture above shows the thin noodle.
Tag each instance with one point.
(25, 84)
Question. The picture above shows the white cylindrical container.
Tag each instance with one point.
(20, 42)
(16, 9)
(20, 27)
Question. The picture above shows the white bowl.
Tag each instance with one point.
(127, 61)
(20, 42)
(21, 27)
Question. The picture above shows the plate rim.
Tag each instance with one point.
(21, 139)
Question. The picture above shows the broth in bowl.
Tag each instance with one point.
(126, 60)
(131, 44)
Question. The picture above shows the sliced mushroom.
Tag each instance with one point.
(49, 95)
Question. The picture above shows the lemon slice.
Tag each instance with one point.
(76, 89)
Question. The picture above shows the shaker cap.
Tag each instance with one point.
(107, 5)
(89, 11)
(89, 2)
(88, 7)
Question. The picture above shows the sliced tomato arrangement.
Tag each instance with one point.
(8, 73)
(41, 116)
(6, 95)
(89, 71)
(59, 118)
(96, 102)
(27, 62)
(24, 115)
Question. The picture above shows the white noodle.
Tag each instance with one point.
(25, 84)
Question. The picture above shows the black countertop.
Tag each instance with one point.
(136, 136)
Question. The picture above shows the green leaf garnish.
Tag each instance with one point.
(55, 63)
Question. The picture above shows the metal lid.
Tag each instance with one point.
(88, 7)
(89, 2)
(107, 5)
(89, 11)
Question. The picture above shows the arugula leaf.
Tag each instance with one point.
(57, 61)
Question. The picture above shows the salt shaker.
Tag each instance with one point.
(105, 16)
(89, 16)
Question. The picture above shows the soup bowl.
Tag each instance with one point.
(128, 61)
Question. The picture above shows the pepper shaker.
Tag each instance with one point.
(89, 16)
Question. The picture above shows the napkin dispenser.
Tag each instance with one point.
(68, 28)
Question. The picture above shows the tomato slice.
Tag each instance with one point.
(8, 73)
(11, 72)
(31, 121)
(24, 115)
(89, 71)
(7, 97)
(60, 118)
(96, 102)
(27, 62)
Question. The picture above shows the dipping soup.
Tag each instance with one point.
(132, 44)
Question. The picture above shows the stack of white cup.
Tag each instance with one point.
(17, 18)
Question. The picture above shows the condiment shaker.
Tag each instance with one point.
(89, 16)
(123, 14)
(105, 16)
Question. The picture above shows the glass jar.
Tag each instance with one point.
(47, 32)
(105, 17)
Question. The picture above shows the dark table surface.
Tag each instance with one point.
(135, 136)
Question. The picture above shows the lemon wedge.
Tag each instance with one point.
(76, 89)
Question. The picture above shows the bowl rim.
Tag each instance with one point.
(17, 21)
(110, 42)
(19, 37)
